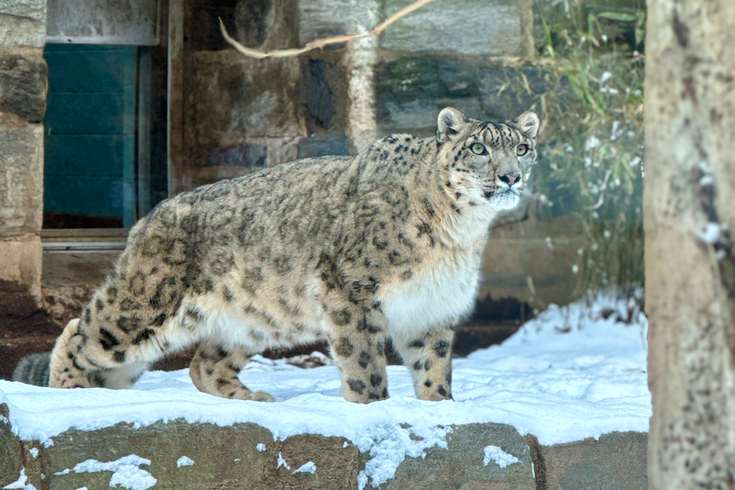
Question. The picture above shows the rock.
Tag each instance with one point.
(324, 98)
(10, 450)
(21, 177)
(413, 89)
(233, 100)
(325, 18)
(23, 23)
(23, 84)
(467, 27)
(313, 147)
(320, 103)
(520, 251)
(617, 460)
(20, 277)
(461, 465)
(224, 457)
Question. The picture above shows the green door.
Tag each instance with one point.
(90, 136)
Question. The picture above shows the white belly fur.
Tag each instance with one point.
(438, 296)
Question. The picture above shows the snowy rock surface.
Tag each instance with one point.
(572, 373)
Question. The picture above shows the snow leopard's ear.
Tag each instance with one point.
(449, 124)
(527, 123)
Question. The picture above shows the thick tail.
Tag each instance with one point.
(33, 369)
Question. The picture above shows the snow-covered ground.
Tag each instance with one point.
(569, 374)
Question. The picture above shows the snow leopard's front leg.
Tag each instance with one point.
(429, 359)
(357, 339)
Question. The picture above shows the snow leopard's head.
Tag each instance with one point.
(491, 161)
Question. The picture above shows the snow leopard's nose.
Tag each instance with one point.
(510, 178)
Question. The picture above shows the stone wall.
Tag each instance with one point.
(243, 114)
(23, 87)
(228, 458)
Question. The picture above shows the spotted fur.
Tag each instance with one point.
(355, 250)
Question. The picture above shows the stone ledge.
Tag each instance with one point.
(230, 457)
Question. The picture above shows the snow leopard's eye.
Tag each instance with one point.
(522, 150)
(478, 149)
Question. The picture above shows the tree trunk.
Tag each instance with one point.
(690, 227)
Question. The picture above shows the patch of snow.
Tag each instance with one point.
(569, 374)
(592, 142)
(606, 75)
(34, 452)
(710, 233)
(499, 457)
(362, 480)
(184, 461)
(282, 462)
(126, 471)
(21, 483)
(260, 447)
(345, 444)
(308, 467)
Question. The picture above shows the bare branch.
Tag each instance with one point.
(319, 43)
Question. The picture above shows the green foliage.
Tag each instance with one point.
(592, 148)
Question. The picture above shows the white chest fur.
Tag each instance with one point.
(436, 296)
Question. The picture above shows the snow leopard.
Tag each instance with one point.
(383, 246)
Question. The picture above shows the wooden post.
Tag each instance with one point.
(690, 227)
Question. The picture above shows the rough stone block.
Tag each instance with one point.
(231, 99)
(20, 263)
(461, 465)
(23, 84)
(325, 92)
(224, 457)
(413, 89)
(314, 147)
(217, 163)
(324, 18)
(21, 177)
(23, 23)
(10, 450)
(615, 461)
(468, 27)
(521, 251)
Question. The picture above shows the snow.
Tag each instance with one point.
(282, 462)
(34, 452)
(710, 233)
(308, 467)
(184, 461)
(126, 471)
(260, 447)
(499, 457)
(20, 483)
(592, 142)
(570, 374)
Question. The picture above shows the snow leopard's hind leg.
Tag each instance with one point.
(75, 365)
(214, 370)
